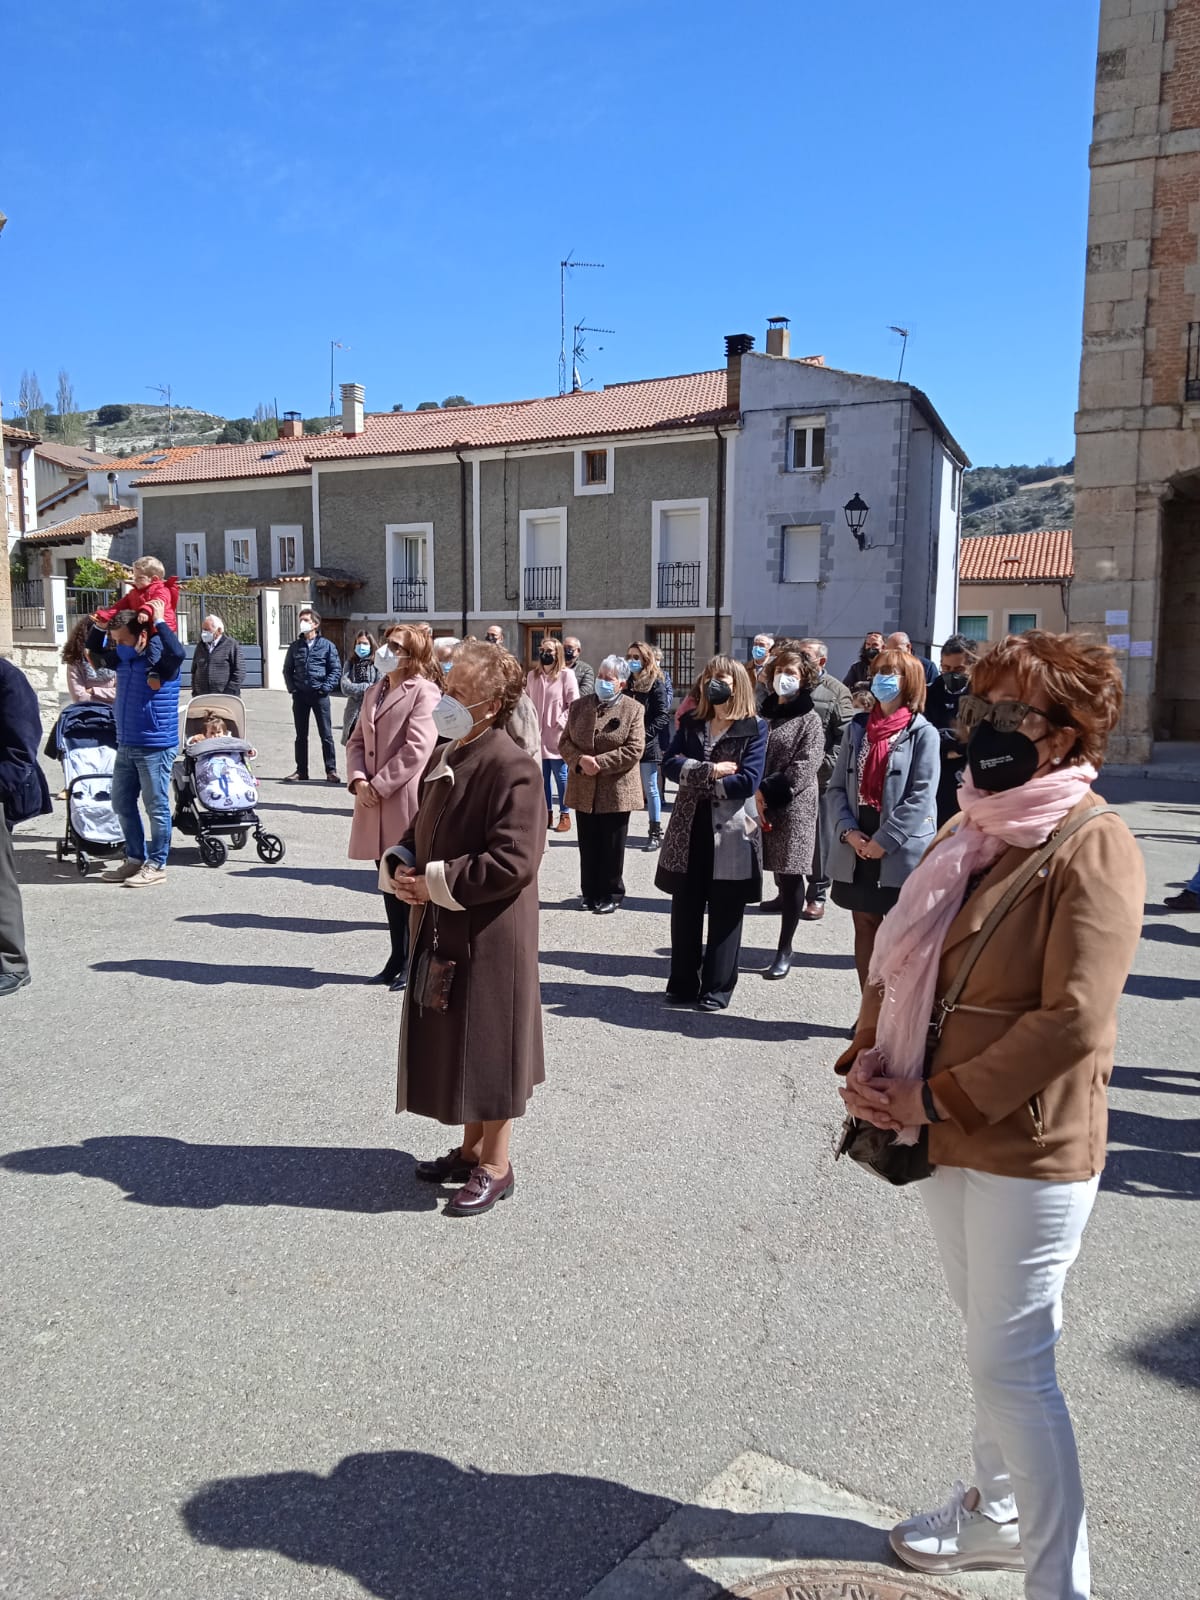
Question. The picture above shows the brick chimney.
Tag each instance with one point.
(779, 338)
(736, 346)
(353, 396)
(292, 425)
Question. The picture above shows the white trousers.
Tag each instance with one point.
(1006, 1245)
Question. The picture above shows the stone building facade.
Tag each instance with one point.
(1137, 475)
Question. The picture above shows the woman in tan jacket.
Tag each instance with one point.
(1011, 1078)
(602, 745)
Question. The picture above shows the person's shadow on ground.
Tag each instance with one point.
(412, 1526)
(171, 1172)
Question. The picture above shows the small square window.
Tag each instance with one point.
(801, 554)
(595, 466)
(974, 627)
(288, 555)
(1021, 621)
(806, 444)
(241, 557)
(191, 559)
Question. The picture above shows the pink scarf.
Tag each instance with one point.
(908, 949)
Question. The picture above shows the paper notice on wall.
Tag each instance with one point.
(1118, 641)
(1116, 619)
(1142, 647)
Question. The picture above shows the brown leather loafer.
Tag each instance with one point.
(563, 825)
(813, 911)
(480, 1193)
(450, 1168)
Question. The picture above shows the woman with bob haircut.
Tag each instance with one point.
(712, 853)
(880, 806)
(1044, 885)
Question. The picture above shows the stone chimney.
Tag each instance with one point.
(736, 346)
(292, 425)
(353, 396)
(779, 338)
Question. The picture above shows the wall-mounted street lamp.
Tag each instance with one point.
(856, 515)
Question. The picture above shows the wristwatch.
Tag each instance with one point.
(931, 1111)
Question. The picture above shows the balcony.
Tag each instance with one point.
(409, 595)
(679, 585)
(542, 589)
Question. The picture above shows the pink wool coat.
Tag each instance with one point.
(552, 699)
(391, 745)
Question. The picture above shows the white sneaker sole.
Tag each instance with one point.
(1008, 1561)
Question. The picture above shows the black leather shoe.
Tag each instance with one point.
(679, 999)
(605, 908)
(771, 905)
(450, 1168)
(708, 1003)
(589, 905)
(10, 982)
(781, 965)
(399, 983)
(385, 976)
(654, 842)
(480, 1193)
(1185, 900)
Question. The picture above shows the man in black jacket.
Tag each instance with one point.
(941, 708)
(312, 670)
(217, 666)
(23, 794)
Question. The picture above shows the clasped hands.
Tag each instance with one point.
(889, 1103)
(589, 766)
(411, 886)
(865, 849)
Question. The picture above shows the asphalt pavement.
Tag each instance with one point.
(246, 1357)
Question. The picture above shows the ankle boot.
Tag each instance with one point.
(549, 819)
(781, 965)
(654, 840)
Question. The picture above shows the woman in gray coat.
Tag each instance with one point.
(787, 796)
(881, 803)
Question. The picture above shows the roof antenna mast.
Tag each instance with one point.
(565, 266)
(578, 353)
(903, 332)
(164, 389)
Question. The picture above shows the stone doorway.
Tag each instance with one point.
(1177, 677)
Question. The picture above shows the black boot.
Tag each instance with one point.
(654, 841)
(781, 965)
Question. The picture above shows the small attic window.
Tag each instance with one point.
(269, 455)
(150, 460)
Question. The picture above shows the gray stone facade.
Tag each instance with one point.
(356, 509)
(220, 507)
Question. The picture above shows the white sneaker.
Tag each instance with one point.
(956, 1539)
(122, 870)
(146, 874)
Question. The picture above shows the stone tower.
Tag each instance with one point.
(1137, 477)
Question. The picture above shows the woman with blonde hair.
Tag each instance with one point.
(386, 754)
(649, 688)
(554, 690)
(712, 854)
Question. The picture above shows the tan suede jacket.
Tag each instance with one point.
(1023, 1063)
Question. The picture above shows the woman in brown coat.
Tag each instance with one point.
(471, 1033)
(602, 745)
(1011, 1076)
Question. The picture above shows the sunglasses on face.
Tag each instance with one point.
(1006, 716)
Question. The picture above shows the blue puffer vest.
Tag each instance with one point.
(144, 720)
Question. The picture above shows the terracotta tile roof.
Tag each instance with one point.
(1043, 554)
(75, 486)
(76, 528)
(20, 435)
(694, 400)
(153, 460)
(73, 458)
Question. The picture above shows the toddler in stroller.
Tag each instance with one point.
(215, 791)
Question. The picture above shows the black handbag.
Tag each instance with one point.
(876, 1148)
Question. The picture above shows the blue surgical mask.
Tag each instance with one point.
(759, 652)
(362, 651)
(634, 665)
(886, 686)
(606, 690)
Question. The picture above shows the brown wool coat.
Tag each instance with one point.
(1023, 1064)
(479, 842)
(616, 736)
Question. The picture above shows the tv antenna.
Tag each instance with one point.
(578, 353)
(565, 266)
(903, 332)
(334, 344)
(164, 390)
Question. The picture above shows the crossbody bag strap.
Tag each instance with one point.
(1000, 910)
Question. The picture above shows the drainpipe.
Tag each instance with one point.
(720, 573)
(462, 509)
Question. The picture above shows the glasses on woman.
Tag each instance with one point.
(1006, 716)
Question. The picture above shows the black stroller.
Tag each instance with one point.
(85, 741)
(223, 806)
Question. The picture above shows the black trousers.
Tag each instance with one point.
(602, 854)
(304, 703)
(13, 960)
(398, 916)
(818, 883)
(706, 969)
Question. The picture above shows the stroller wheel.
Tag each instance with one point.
(213, 852)
(81, 864)
(270, 846)
(238, 838)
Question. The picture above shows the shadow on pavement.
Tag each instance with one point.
(252, 919)
(1167, 933)
(1162, 1163)
(204, 973)
(171, 1172)
(1156, 1079)
(1173, 1355)
(310, 811)
(403, 1524)
(628, 1008)
(318, 877)
(1152, 988)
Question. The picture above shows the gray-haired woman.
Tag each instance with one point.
(602, 745)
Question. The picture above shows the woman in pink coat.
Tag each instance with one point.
(385, 757)
(553, 688)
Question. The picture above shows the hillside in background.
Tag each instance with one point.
(1017, 499)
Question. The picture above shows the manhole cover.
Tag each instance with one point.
(840, 1583)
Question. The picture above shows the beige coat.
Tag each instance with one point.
(616, 735)
(1024, 1061)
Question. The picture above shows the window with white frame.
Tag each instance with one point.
(594, 470)
(1022, 621)
(679, 551)
(191, 556)
(241, 552)
(543, 537)
(409, 567)
(974, 625)
(287, 549)
(806, 444)
(801, 553)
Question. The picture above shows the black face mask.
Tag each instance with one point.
(1000, 761)
(571, 654)
(548, 658)
(870, 652)
(954, 681)
(718, 692)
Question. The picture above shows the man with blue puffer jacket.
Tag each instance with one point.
(312, 670)
(147, 712)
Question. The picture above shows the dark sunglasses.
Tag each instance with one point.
(1006, 716)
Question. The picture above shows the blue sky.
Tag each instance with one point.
(206, 193)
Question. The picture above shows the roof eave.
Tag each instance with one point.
(929, 411)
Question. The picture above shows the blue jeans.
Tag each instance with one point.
(649, 772)
(138, 771)
(1194, 883)
(557, 769)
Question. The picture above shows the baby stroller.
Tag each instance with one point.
(224, 805)
(85, 741)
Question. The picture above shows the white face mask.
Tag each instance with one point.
(452, 719)
(384, 659)
(306, 627)
(786, 685)
(207, 635)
